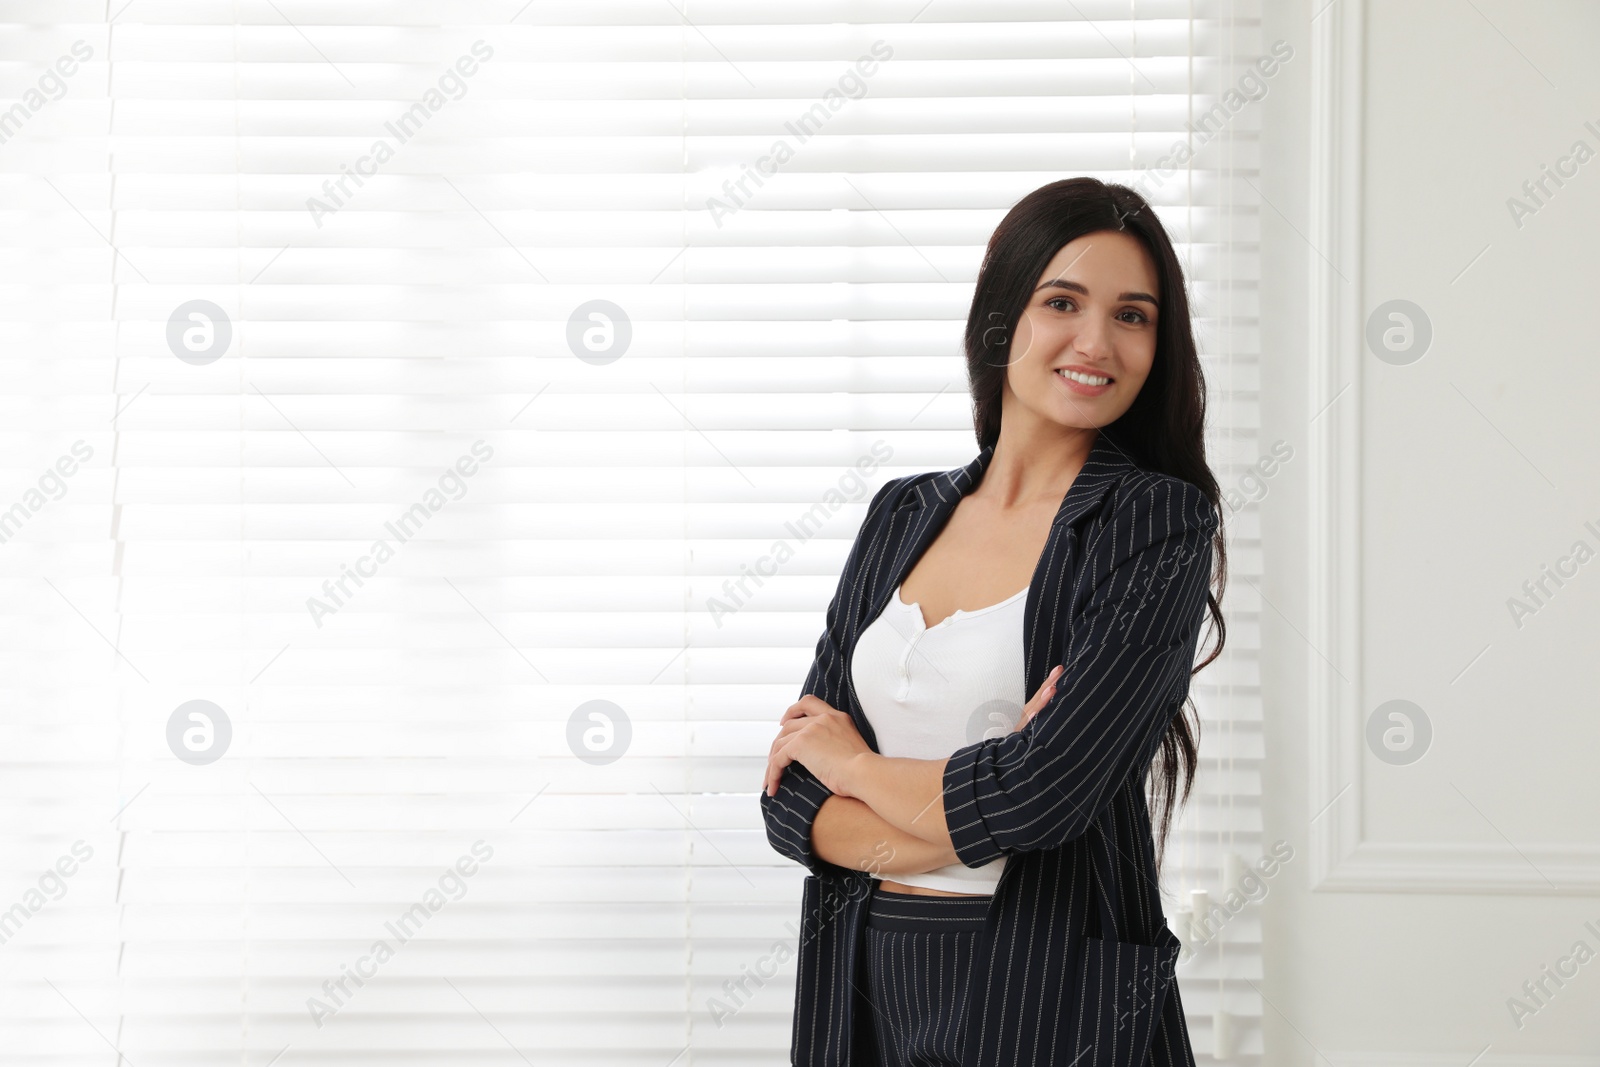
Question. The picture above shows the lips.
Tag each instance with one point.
(1092, 379)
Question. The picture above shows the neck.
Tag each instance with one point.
(1037, 465)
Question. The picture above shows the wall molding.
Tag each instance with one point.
(1340, 859)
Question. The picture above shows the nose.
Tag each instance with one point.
(1093, 342)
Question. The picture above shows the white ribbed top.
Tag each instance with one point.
(928, 691)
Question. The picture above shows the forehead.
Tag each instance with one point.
(1104, 261)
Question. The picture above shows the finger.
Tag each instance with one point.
(1049, 685)
(1046, 691)
(806, 705)
(787, 730)
(1050, 679)
(769, 781)
(790, 723)
(1046, 688)
(774, 771)
(787, 725)
(779, 763)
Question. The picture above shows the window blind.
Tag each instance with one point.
(433, 433)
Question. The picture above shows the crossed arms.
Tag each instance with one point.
(1137, 606)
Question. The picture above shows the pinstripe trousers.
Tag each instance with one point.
(920, 952)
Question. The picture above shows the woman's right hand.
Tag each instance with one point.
(1040, 699)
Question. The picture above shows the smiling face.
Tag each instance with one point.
(1092, 313)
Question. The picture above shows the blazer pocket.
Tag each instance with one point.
(1119, 990)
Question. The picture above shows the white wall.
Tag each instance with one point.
(1416, 507)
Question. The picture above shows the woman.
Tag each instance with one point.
(984, 877)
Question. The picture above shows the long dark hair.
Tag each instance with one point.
(1163, 430)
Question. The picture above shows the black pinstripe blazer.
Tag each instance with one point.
(1118, 596)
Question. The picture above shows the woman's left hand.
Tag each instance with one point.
(818, 735)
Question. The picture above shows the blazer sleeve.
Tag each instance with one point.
(790, 812)
(1130, 649)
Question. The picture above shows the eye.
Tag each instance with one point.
(1141, 319)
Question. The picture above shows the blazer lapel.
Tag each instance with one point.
(920, 516)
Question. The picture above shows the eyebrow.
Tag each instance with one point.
(1062, 283)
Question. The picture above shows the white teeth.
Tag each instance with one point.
(1086, 379)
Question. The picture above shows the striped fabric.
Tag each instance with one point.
(1118, 596)
(919, 969)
